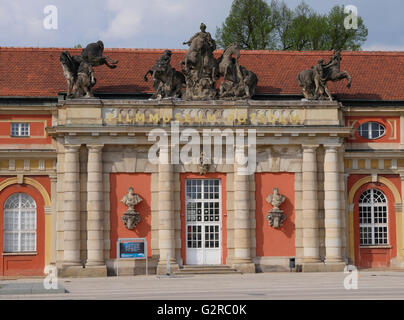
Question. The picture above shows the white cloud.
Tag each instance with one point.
(21, 19)
(119, 23)
(137, 17)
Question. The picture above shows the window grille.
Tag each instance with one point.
(371, 130)
(20, 129)
(373, 218)
(20, 223)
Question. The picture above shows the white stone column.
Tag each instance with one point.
(242, 221)
(95, 207)
(71, 255)
(166, 213)
(332, 205)
(310, 205)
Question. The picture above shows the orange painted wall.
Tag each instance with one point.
(119, 184)
(22, 265)
(213, 175)
(271, 241)
(375, 257)
(392, 135)
(37, 129)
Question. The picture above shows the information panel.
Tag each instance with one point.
(131, 248)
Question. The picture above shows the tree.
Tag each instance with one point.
(78, 46)
(249, 24)
(282, 18)
(341, 38)
(257, 25)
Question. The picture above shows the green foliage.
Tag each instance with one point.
(248, 24)
(256, 25)
(339, 37)
(78, 46)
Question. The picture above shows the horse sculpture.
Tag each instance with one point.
(227, 64)
(200, 54)
(78, 70)
(200, 67)
(238, 82)
(331, 73)
(92, 54)
(167, 82)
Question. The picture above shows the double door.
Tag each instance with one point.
(203, 221)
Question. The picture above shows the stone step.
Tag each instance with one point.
(207, 269)
(204, 266)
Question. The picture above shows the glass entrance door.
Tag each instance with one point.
(203, 221)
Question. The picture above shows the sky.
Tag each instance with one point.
(162, 23)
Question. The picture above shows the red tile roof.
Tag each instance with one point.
(37, 72)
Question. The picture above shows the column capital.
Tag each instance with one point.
(310, 147)
(95, 147)
(53, 177)
(72, 147)
(332, 147)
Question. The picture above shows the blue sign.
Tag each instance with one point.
(131, 248)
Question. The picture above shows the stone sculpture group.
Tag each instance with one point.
(199, 74)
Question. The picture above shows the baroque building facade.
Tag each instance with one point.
(66, 164)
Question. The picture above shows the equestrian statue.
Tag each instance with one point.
(78, 70)
(314, 80)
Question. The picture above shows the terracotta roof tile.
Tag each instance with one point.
(37, 71)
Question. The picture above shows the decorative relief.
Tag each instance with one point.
(203, 165)
(275, 216)
(131, 217)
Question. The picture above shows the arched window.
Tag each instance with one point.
(19, 223)
(373, 218)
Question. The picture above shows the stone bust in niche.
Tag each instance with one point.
(275, 216)
(131, 217)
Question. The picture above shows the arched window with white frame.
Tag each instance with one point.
(373, 218)
(20, 221)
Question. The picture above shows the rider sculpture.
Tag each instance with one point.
(167, 82)
(314, 80)
(200, 67)
(238, 82)
(78, 70)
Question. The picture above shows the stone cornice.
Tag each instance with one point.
(95, 102)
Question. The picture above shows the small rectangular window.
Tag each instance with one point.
(20, 129)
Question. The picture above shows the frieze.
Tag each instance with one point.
(204, 116)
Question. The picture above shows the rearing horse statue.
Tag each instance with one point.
(200, 52)
(332, 72)
(228, 64)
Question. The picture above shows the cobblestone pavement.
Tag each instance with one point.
(267, 286)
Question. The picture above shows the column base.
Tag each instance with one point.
(66, 271)
(95, 263)
(323, 267)
(243, 265)
(397, 263)
(162, 267)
